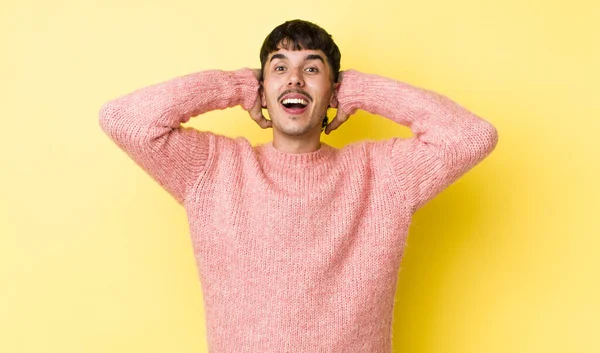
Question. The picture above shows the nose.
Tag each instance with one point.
(295, 79)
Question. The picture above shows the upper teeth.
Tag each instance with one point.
(295, 101)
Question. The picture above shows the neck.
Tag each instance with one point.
(296, 144)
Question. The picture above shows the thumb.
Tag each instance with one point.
(340, 118)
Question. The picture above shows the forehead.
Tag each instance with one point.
(297, 55)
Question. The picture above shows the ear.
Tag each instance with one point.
(263, 96)
(333, 102)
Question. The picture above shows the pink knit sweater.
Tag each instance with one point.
(298, 252)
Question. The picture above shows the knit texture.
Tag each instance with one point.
(298, 252)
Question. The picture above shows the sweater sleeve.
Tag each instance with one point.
(447, 139)
(146, 123)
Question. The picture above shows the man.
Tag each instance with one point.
(298, 244)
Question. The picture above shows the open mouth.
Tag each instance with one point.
(294, 105)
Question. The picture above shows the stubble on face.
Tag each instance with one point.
(302, 74)
(295, 129)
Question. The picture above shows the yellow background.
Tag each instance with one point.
(95, 256)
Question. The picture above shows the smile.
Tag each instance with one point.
(294, 103)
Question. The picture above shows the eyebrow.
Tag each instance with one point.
(315, 57)
(308, 57)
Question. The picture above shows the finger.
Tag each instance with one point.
(340, 77)
(257, 73)
(265, 123)
(329, 126)
(261, 120)
(339, 119)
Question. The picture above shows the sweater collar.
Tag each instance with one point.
(323, 154)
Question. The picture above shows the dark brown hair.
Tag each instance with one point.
(299, 35)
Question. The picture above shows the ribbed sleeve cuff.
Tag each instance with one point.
(245, 85)
(355, 86)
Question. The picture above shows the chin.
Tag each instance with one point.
(294, 130)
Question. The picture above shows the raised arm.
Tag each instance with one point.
(448, 140)
(146, 123)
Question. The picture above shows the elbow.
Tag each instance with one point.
(110, 119)
(106, 116)
(482, 141)
(473, 148)
(117, 123)
(488, 137)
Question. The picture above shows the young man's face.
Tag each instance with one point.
(297, 90)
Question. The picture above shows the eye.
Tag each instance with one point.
(312, 69)
(279, 68)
